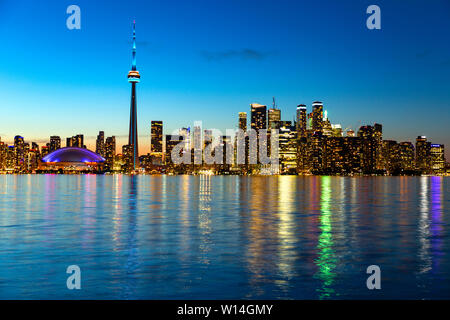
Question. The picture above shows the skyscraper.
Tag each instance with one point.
(171, 142)
(127, 152)
(19, 148)
(156, 145)
(287, 147)
(423, 154)
(259, 116)
(391, 155)
(243, 121)
(100, 144)
(3, 148)
(371, 148)
(110, 152)
(75, 141)
(11, 158)
(243, 128)
(407, 156)
(334, 155)
(55, 143)
(301, 120)
(274, 117)
(437, 155)
(225, 146)
(317, 116)
(133, 77)
(378, 137)
(259, 124)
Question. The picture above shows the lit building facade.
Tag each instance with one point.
(55, 143)
(391, 157)
(100, 144)
(258, 116)
(371, 148)
(274, 117)
(3, 153)
(317, 116)
(287, 150)
(110, 153)
(171, 142)
(423, 155)
(156, 143)
(437, 159)
(407, 158)
(301, 121)
(75, 141)
(258, 123)
(128, 158)
(243, 121)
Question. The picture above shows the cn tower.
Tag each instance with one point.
(133, 78)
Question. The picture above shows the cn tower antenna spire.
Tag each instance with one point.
(133, 66)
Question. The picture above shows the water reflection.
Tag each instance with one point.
(424, 227)
(163, 237)
(131, 245)
(204, 218)
(117, 210)
(326, 261)
(436, 222)
(287, 238)
(430, 224)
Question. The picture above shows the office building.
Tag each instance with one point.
(437, 159)
(100, 144)
(423, 155)
(301, 121)
(55, 143)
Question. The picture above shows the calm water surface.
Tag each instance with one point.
(186, 237)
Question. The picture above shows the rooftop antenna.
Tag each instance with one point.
(274, 104)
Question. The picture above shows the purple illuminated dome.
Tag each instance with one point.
(72, 154)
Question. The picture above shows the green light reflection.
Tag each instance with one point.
(326, 261)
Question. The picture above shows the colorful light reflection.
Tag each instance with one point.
(326, 261)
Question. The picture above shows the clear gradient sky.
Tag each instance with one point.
(208, 60)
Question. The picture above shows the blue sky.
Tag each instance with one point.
(208, 60)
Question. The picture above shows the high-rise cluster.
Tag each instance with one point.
(310, 144)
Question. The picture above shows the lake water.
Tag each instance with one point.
(224, 237)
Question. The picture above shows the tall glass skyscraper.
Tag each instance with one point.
(301, 120)
(243, 121)
(258, 116)
(317, 116)
(274, 118)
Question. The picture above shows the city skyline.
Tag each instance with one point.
(188, 79)
(311, 144)
(298, 120)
